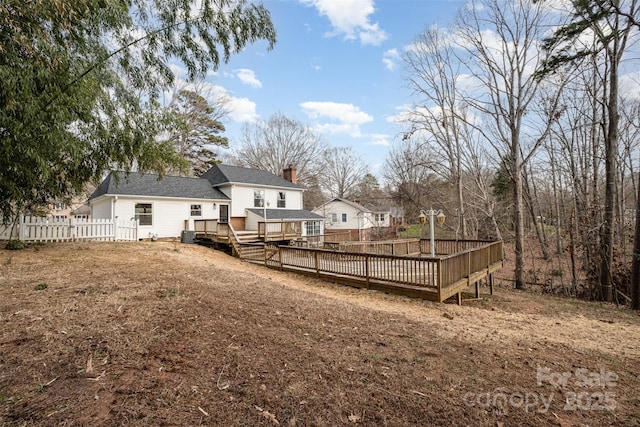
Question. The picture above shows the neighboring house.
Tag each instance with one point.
(164, 207)
(64, 212)
(364, 222)
(228, 194)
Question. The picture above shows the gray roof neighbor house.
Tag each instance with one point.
(139, 184)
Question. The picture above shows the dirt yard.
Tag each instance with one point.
(165, 334)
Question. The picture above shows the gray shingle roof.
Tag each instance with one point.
(138, 184)
(225, 174)
(286, 214)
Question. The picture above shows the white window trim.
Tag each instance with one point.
(191, 210)
(136, 216)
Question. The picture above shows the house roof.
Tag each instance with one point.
(149, 185)
(225, 174)
(355, 205)
(378, 208)
(286, 214)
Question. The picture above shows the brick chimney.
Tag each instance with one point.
(290, 174)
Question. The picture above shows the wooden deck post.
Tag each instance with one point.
(459, 298)
(490, 283)
(477, 288)
(366, 268)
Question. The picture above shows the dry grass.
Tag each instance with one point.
(169, 334)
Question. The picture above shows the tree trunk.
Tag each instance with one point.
(542, 239)
(462, 225)
(516, 176)
(635, 264)
(611, 144)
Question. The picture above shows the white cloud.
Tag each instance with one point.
(350, 18)
(248, 77)
(401, 117)
(389, 59)
(242, 110)
(380, 140)
(336, 118)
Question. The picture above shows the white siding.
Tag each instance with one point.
(251, 221)
(384, 223)
(168, 215)
(356, 219)
(242, 197)
(102, 208)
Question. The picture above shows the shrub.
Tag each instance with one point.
(14, 245)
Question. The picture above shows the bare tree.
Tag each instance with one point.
(502, 60)
(409, 173)
(341, 172)
(609, 24)
(279, 142)
(438, 113)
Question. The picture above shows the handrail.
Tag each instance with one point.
(446, 275)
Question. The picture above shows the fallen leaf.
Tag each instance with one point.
(89, 367)
(268, 415)
(354, 418)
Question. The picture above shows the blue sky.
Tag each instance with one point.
(336, 67)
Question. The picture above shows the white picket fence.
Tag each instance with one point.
(39, 229)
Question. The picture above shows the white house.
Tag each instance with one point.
(163, 207)
(230, 194)
(364, 222)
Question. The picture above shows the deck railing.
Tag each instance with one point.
(279, 230)
(321, 240)
(387, 247)
(436, 278)
(206, 227)
(447, 247)
(363, 266)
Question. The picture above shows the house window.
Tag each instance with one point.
(59, 218)
(344, 217)
(144, 213)
(59, 206)
(313, 228)
(196, 210)
(82, 217)
(282, 199)
(334, 217)
(258, 198)
(379, 217)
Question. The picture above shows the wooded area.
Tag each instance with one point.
(533, 129)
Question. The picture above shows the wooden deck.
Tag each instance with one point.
(399, 266)
(437, 279)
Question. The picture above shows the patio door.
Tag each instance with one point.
(224, 214)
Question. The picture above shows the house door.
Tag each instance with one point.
(224, 214)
